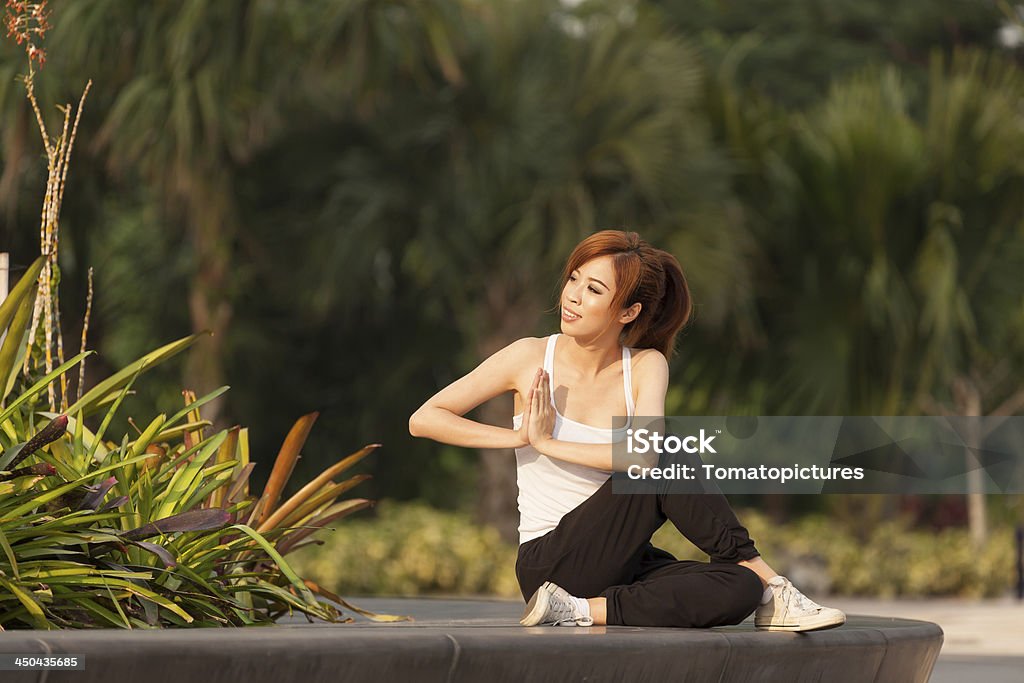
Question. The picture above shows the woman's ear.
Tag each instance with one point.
(630, 314)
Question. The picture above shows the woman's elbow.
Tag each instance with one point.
(414, 424)
(417, 424)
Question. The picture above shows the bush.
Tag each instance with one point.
(413, 549)
(150, 530)
(895, 560)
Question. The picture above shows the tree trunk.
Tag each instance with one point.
(498, 491)
(968, 404)
(510, 311)
(208, 302)
(204, 367)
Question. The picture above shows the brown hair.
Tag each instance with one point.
(652, 277)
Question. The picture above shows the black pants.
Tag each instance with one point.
(603, 549)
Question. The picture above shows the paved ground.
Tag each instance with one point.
(984, 640)
(991, 628)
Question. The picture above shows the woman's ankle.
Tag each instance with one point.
(598, 610)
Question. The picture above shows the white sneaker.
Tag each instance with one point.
(791, 610)
(553, 605)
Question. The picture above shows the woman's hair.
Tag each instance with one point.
(652, 277)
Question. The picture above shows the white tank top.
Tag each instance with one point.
(549, 488)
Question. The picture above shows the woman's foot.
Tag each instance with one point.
(790, 610)
(553, 605)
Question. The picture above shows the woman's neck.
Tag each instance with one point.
(592, 356)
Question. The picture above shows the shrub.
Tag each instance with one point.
(895, 560)
(413, 549)
(149, 531)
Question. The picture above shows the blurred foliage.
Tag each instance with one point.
(413, 549)
(78, 510)
(792, 50)
(363, 199)
(889, 559)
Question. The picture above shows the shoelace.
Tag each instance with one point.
(565, 613)
(790, 593)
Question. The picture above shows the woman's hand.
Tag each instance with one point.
(541, 417)
(524, 427)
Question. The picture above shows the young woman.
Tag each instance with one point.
(585, 555)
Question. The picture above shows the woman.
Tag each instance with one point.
(585, 555)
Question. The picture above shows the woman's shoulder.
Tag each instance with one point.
(646, 354)
(525, 350)
(527, 344)
(522, 358)
(649, 361)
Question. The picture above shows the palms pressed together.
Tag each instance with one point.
(538, 413)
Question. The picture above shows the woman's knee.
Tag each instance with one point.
(741, 597)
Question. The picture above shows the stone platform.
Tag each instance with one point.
(481, 640)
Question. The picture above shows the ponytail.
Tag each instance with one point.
(668, 316)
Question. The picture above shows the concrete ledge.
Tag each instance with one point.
(481, 640)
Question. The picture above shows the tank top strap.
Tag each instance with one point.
(549, 355)
(627, 380)
(549, 366)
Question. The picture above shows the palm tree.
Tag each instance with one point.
(178, 112)
(460, 200)
(554, 132)
(889, 238)
(194, 90)
(970, 266)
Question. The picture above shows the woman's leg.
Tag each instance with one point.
(602, 543)
(688, 594)
(600, 546)
(685, 594)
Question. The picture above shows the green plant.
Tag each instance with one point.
(412, 549)
(156, 530)
(149, 531)
(889, 559)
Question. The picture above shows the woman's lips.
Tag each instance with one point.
(569, 317)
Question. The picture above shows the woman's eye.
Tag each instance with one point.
(572, 278)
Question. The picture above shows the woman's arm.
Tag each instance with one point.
(440, 418)
(652, 375)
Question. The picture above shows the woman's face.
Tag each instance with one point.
(587, 299)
